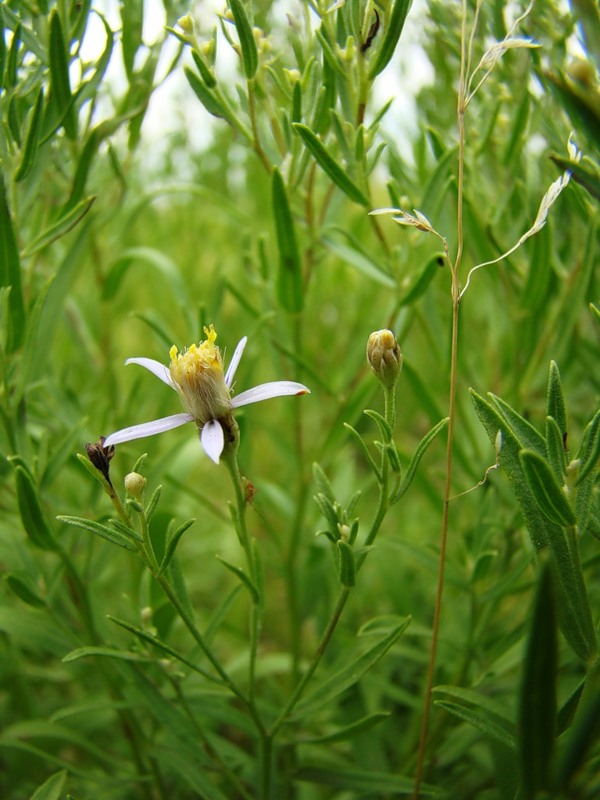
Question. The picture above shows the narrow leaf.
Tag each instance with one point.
(416, 459)
(326, 161)
(211, 103)
(289, 277)
(62, 226)
(109, 652)
(10, 273)
(132, 17)
(487, 723)
(239, 572)
(25, 589)
(548, 494)
(555, 449)
(111, 535)
(537, 711)
(589, 450)
(347, 563)
(59, 77)
(392, 26)
(349, 675)
(30, 509)
(52, 788)
(172, 543)
(246, 37)
(555, 401)
(32, 139)
(351, 730)
(205, 73)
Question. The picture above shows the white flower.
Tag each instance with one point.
(197, 376)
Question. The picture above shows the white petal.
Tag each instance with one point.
(147, 429)
(231, 369)
(212, 439)
(267, 390)
(155, 367)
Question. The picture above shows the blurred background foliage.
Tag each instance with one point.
(116, 242)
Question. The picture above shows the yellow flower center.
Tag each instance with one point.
(198, 376)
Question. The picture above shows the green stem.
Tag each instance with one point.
(256, 613)
(325, 639)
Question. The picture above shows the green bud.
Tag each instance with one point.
(135, 485)
(384, 356)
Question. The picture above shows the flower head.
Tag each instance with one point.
(205, 392)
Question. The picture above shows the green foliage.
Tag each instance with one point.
(294, 642)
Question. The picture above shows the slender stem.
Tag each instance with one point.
(256, 140)
(455, 295)
(325, 639)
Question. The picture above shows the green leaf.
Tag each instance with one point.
(555, 401)
(537, 708)
(289, 278)
(555, 449)
(347, 563)
(62, 226)
(353, 255)
(589, 449)
(108, 652)
(329, 165)
(10, 273)
(350, 674)
(546, 491)
(132, 17)
(495, 727)
(30, 509)
(32, 139)
(149, 638)
(172, 542)
(349, 731)
(426, 276)
(392, 27)
(416, 459)
(583, 174)
(323, 484)
(364, 782)
(490, 714)
(577, 743)
(208, 99)
(25, 589)
(525, 433)
(246, 37)
(52, 788)
(239, 572)
(59, 77)
(111, 535)
(205, 72)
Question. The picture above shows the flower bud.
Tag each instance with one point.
(100, 456)
(384, 356)
(186, 23)
(135, 485)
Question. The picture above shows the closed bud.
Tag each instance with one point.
(384, 356)
(135, 485)
(186, 23)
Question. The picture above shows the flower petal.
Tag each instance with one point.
(147, 429)
(155, 367)
(231, 369)
(267, 390)
(212, 439)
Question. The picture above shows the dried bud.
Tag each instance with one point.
(135, 485)
(100, 456)
(384, 356)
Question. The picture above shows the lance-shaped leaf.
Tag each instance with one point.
(239, 572)
(172, 542)
(52, 788)
(416, 459)
(537, 708)
(555, 401)
(32, 139)
(392, 27)
(329, 165)
(10, 273)
(210, 102)
(30, 508)
(589, 450)
(333, 686)
(574, 608)
(111, 535)
(346, 564)
(289, 277)
(59, 77)
(246, 37)
(548, 494)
